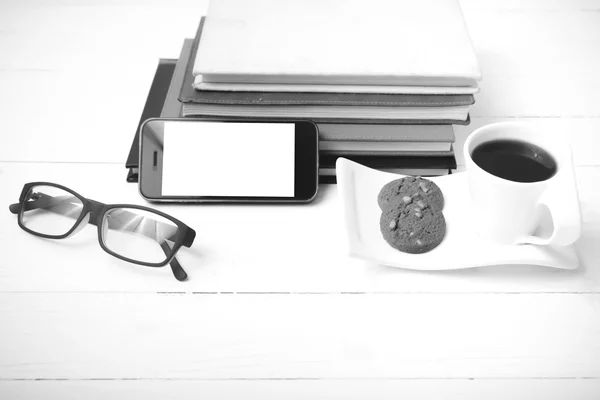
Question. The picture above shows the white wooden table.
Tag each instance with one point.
(274, 307)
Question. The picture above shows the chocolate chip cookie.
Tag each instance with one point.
(412, 228)
(408, 190)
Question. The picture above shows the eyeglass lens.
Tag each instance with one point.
(50, 210)
(138, 234)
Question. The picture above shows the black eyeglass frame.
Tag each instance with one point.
(97, 210)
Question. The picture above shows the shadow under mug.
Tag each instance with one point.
(545, 212)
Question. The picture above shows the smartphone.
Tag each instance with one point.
(205, 160)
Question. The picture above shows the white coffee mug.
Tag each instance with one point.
(544, 213)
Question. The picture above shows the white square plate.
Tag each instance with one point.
(462, 247)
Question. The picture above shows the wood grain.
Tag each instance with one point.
(269, 315)
(152, 336)
(378, 389)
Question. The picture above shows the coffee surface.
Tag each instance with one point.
(515, 160)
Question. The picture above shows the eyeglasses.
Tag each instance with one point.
(129, 232)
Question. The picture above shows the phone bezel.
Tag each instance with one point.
(306, 163)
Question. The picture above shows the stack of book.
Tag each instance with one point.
(384, 81)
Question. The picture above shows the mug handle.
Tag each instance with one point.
(563, 203)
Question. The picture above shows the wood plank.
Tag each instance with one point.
(63, 37)
(497, 389)
(151, 336)
(540, 5)
(532, 5)
(310, 340)
(259, 258)
(556, 79)
(54, 138)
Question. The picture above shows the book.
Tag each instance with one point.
(387, 133)
(387, 162)
(330, 113)
(404, 171)
(327, 174)
(162, 101)
(318, 106)
(325, 88)
(337, 42)
(172, 107)
(390, 139)
(385, 139)
(152, 109)
(384, 148)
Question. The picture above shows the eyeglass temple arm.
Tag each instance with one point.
(47, 201)
(43, 201)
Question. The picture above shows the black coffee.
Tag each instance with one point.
(515, 160)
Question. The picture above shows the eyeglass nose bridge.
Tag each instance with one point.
(91, 216)
(93, 209)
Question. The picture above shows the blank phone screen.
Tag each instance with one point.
(228, 159)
